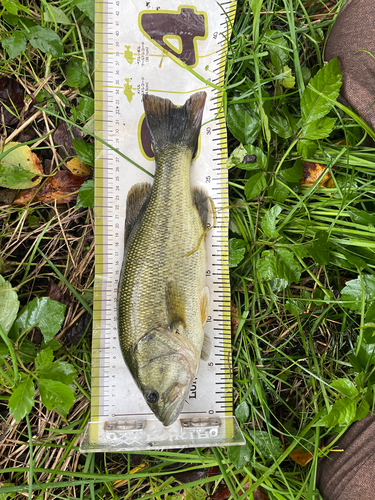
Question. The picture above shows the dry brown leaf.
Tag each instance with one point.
(61, 187)
(260, 494)
(11, 97)
(302, 457)
(63, 137)
(234, 319)
(311, 172)
(77, 167)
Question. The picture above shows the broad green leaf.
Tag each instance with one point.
(278, 191)
(319, 248)
(45, 40)
(244, 126)
(277, 45)
(295, 307)
(268, 221)
(280, 125)
(55, 395)
(267, 265)
(237, 249)
(87, 7)
(342, 413)
(43, 312)
(366, 354)
(362, 410)
(261, 158)
(61, 371)
(44, 359)
(76, 73)
(269, 446)
(318, 129)
(86, 194)
(9, 305)
(55, 14)
(240, 456)
(255, 185)
(85, 151)
(15, 44)
(287, 267)
(21, 401)
(327, 82)
(19, 166)
(352, 292)
(13, 6)
(242, 412)
(295, 173)
(306, 148)
(84, 109)
(345, 386)
(236, 156)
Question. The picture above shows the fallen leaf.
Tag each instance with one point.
(260, 494)
(74, 333)
(302, 457)
(61, 187)
(54, 292)
(7, 196)
(77, 167)
(11, 97)
(222, 492)
(63, 137)
(234, 319)
(189, 475)
(311, 172)
(20, 168)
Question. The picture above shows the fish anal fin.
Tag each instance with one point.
(175, 307)
(206, 347)
(137, 196)
(200, 200)
(204, 304)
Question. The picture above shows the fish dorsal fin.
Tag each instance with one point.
(137, 196)
(200, 199)
(204, 304)
(175, 307)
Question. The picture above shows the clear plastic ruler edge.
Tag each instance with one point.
(108, 431)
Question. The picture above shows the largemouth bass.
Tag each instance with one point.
(163, 299)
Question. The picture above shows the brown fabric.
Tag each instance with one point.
(354, 30)
(350, 475)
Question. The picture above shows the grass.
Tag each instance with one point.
(292, 339)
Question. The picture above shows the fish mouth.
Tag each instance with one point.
(175, 400)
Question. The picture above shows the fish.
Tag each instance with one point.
(163, 299)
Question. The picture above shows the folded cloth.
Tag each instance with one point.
(353, 33)
(350, 474)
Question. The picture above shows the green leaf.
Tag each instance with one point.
(15, 44)
(87, 7)
(287, 267)
(13, 6)
(327, 82)
(85, 151)
(261, 158)
(269, 446)
(76, 72)
(9, 496)
(237, 249)
(343, 412)
(319, 129)
(281, 126)
(278, 191)
(289, 81)
(267, 265)
(244, 126)
(21, 401)
(268, 221)
(352, 292)
(18, 166)
(86, 194)
(319, 248)
(277, 45)
(366, 354)
(43, 312)
(9, 305)
(295, 173)
(345, 386)
(44, 359)
(45, 40)
(84, 109)
(242, 412)
(362, 410)
(255, 185)
(295, 307)
(55, 14)
(306, 148)
(240, 456)
(61, 371)
(55, 395)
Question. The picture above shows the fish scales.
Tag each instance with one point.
(163, 300)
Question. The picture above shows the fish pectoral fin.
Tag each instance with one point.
(206, 347)
(175, 307)
(138, 195)
(204, 304)
(200, 199)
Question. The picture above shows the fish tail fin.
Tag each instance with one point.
(169, 124)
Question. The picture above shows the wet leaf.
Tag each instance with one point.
(306, 148)
(318, 129)
(76, 72)
(60, 371)
(76, 331)
(244, 126)
(221, 492)
(85, 151)
(278, 49)
(9, 305)
(255, 185)
(87, 7)
(260, 160)
(11, 98)
(62, 187)
(77, 167)
(345, 386)
(240, 455)
(55, 395)
(327, 82)
(86, 194)
(236, 251)
(312, 172)
(352, 292)
(84, 110)
(236, 157)
(43, 312)
(278, 191)
(280, 125)
(54, 292)
(15, 44)
(20, 168)
(44, 359)
(269, 446)
(63, 137)
(45, 40)
(342, 412)
(268, 221)
(287, 267)
(295, 173)
(242, 412)
(189, 475)
(21, 401)
(319, 248)
(267, 265)
(260, 494)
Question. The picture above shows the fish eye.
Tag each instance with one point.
(152, 396)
